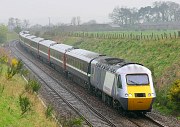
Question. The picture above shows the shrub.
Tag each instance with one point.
(32, 86)
(14, 62)
(24, 104)
(19, 66)
(24, 72)
(168, 99)
(15, 68)
(174, 93)
(10, 72)
(49, 111)
(72, 122)
(3, 59)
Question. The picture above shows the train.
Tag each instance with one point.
(124, 85)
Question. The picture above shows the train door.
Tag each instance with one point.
(97, 76)
(108, 83)
(38, 48)
(64, 60)
(49, 54)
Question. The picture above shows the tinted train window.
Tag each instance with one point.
(137, 79)
(119, 82)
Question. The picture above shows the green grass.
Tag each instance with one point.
(158, 55)
(10, 111)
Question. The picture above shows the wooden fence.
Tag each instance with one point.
(130, 36)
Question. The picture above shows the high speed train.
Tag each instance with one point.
(121, 84)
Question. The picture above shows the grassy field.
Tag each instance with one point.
(157, 55)
(10, 110)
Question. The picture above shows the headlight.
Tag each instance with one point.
(149, 94)
(126, 95)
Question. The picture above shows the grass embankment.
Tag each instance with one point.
(10, 109)
(161, 57)
(157, 55)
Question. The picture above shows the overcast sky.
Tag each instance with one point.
(38, 11)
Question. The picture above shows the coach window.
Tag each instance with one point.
(80, 66)
(68, 60)
(60, 56)
(52, 52)
(119, 82)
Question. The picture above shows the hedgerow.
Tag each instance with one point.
(174, 94)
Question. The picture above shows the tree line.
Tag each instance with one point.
(158, 12)
(15, 24)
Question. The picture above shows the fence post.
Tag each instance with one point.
(170, 35)
(162, 36)
(178, 33)
(174, 34)
(152, 35)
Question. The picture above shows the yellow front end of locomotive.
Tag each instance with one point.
(139, 97)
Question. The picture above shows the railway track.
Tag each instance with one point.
(94, 118)
(146, 121)
(158, 123)
(83, 109)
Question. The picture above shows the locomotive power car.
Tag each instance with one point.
(121, 84)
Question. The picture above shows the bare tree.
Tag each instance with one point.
(78, 19)
(74, 21)
(17, 22)
(158, 12)
(123, 16)
(11, 23)
(25, 24)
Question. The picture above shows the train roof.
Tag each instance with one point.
(37, 39)
(83, 54)
(61, 47)
(112, 64)
(24, 32)
(47, 43)
(24, 35)
(133, 68)
(21, 33)
(30, 37)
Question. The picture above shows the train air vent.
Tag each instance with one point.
(140, 95)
